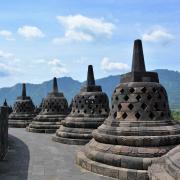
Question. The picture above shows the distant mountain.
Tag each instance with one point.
(169, 79)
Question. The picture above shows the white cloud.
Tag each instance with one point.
(81, 60)
(81, 28)
(57, 67)
(9, 64)
(110, 66)
(6, 55)
(40, 61)
(158, 34)
(7, 35)
(30, 32)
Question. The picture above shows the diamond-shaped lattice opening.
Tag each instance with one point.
(162, 114)
(159, 96)
(126, 97)
(78, 111)
(138, 97)
(116, 98)
(156, 106)
(112, 106)
(151, 115)
(143, 106)
(149, 97)
(154, 89)
(143, 89)
(130, 106)
(119, 106)
(85, 111)
(115, 114)
(121, 90)
(131, 90)
(164, 105)
(137, 115)
(124, 115)
(100, 111)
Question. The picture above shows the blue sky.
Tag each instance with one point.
(46, 38)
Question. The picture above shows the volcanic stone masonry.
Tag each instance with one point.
(5, 104)
(23, 111)
(89, 109)
(166, 167)
(139, 128)
(4, 112)
(38, 108)
(54, 109)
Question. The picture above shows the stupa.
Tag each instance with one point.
(23, 111)
(166, 167)
(138, 130)
(54, 109)
(90, 107)
(38, 108)
(5, 104)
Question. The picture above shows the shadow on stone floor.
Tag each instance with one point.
(16, 163)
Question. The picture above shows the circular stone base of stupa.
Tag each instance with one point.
(167, 166)
(45, 124)
(48, 131)
(77, 131)
(70, 141)
(108, 170)
(18, 123)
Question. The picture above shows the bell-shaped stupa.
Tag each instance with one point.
(23, 110)
(54, 109)
(139, 128)
(38, 108)
(5, 104)
(166, 167)
(90, 107)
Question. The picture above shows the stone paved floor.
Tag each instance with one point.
(34, 156)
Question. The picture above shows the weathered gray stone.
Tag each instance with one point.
(4, 112)
(54, 109)
(34, 156)
(139, 128)
(89, 109)
(23, 111)
(167, 167)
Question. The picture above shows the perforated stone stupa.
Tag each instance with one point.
(54, 109)
(139, 128)
(38, 108)
(5, 104)
(89, 109)
(23, 110)
(166, 167)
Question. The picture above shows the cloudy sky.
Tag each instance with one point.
(40, 39)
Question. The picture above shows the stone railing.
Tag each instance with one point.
(3, 132)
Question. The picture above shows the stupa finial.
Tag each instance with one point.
(55, 86)
(138, 64)
(23, 90)
(5, 103)
(90, 76)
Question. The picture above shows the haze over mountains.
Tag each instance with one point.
(169, 79)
